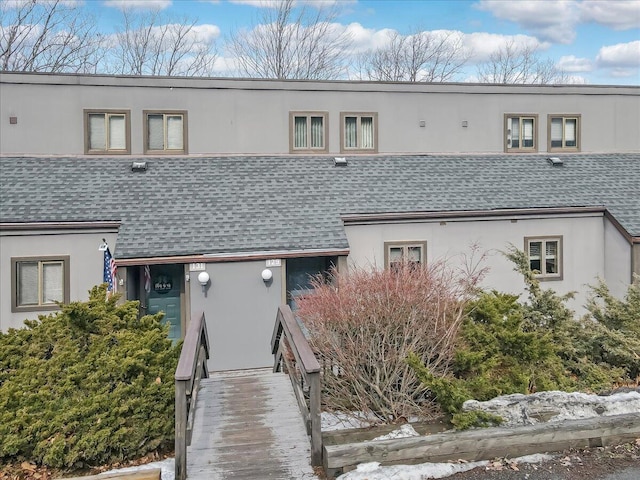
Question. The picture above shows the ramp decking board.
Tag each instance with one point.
(247, 425)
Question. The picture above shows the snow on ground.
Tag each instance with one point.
(515, 409)
(423, 471)
(554, 406)
(166, 465)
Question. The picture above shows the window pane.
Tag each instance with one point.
(27, 283)
(556, 132)
(155, 125)
(414, 254)
(395, 254)
(535, 249)
(174, 132)
(52, 281)
(551, 257)
(366, 125)
(527, 132)
(300, 132)
(570, 125)
(317, 132)
(117, 139)
(514, 125)
(97, 134)
(350, 132)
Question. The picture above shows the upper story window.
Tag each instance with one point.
(165, 132)
(521, 133)
(563, 132)
(398, 253)
(107, 131)
(37, 283)
(545, 256)
(308, 132)
(359, 132)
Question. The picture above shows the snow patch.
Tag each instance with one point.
(405, 431)
(167, 466)
(554, 406)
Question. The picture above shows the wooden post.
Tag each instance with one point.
(314, 417)
(181, 431)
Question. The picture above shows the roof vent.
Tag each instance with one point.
(555, 161)
(340, 161)
(139, 167)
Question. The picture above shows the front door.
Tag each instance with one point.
(164, 296)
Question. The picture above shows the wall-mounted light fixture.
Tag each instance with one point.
(203, 279)
(267, 276)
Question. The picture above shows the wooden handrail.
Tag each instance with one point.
(192, 366)
(286, 327)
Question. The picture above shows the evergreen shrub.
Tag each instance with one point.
(88, 385)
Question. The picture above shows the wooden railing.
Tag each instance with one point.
(192, 366)
(287, 332)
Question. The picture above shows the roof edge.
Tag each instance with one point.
(10, 226)
(231, 257)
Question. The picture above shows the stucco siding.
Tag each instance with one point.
(241, 117)
(240, 310)
(582, 238)
(618, 255)
(85, 264)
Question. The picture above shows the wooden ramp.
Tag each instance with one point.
(247, 425)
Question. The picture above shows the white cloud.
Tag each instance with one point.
(138, 4)
(275, 3)
(6, 5)
(482, 44)
(621, 55)
(551, 20)
(571, 63)
(616, 14)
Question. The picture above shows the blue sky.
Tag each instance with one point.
(593, 41)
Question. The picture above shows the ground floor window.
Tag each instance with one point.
(38, 283)
(398, 253)
(545, 257)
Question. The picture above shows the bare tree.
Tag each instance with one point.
(513, 64)
(295, 43)
(419, 57)
(47, 36)
(151, 44)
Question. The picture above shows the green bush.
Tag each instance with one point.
(506, 346)
(88, 385)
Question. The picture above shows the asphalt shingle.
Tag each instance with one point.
(213, 205)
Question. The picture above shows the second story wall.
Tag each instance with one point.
(53, 115)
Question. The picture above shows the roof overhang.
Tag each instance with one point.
(22, 226)
(232, 257)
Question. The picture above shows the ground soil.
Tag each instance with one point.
(612, 462)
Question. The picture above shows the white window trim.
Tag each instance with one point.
(165, 114)
(358, 148)
(507, 132)
(543, 250)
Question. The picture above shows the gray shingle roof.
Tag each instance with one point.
(210, 205)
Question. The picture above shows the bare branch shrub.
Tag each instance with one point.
(365, 329)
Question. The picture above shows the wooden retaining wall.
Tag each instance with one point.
(486, 443)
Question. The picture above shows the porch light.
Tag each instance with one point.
(267, 275)
(203, 279)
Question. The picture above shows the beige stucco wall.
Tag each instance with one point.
(584, 258)
(618, 257)
(228, 116)
(85, 263)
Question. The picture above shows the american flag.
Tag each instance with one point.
(109, 272)
(147, 279)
